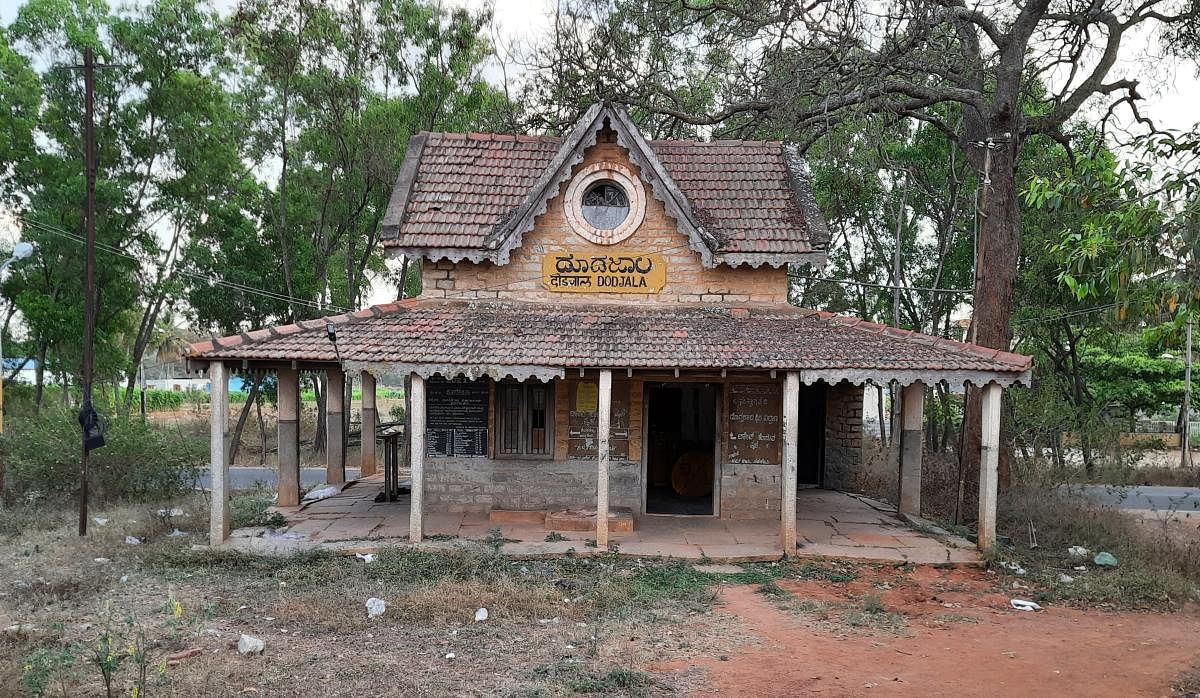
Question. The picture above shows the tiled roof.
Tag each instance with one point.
(460, 191)
(500, 333)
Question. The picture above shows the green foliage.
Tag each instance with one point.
(141, 461)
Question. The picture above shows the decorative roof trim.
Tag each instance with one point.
(498, 372)
(757, 259)
(397, 208)
(955, 380)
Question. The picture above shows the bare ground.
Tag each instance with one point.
(601, 626)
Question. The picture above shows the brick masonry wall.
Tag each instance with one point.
(481, 484)
(687, 279)
(750, 491)
(843, 434)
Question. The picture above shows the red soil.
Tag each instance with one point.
(1059, 651)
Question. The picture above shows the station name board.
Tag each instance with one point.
(572, 272)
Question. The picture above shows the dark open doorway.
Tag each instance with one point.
(810, 444)
(681, 434)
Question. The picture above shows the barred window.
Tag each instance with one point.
(525, 418)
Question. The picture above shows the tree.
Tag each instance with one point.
(974, 72)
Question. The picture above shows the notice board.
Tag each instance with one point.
(456, 417)
(754, 422)
(584, 418)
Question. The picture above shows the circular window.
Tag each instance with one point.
(605, 203)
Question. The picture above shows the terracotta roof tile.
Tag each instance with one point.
(468, 184)
(638, 336)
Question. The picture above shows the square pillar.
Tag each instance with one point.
(335, 422)
(370, 421)
(416, 456)
(289, 437)
(912, 412)
(603, 423)
(989, 460)
(218, 469)
(791, 433)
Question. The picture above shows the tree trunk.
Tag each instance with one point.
(262, 434)
(995, 274)
(251, 398)
(319, 393)
(39, 386)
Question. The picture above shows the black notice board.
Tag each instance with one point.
(456, 417)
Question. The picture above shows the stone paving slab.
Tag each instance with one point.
(829, 524)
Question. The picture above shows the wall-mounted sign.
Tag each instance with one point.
(573, 272)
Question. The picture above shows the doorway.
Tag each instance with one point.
(681, 437)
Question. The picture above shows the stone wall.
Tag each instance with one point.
(481, 484)
(688, 281)
(843, 434)
(750, 491)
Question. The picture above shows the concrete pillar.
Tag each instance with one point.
(912, 412)
(603, 421)
(289, 437)
(989, 460)
(791, 438)
(370, 419)
(218, 448)
(335, 422)
(416, 456)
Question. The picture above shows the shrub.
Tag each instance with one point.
(140, 461)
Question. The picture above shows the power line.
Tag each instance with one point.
(850, 282)
(233, 285)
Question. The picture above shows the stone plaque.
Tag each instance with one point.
(579, 272)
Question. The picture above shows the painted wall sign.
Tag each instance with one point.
(753, 419)
(576, 272)
(456, 414)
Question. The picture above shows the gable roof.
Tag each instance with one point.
(524, 339)
(473, 196)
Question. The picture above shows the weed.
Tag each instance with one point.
(252, 510)
(616, 680)
(770, 588)
(47, 666)
(872, 614)
(827, 572)
(555, 537)
(955, 618)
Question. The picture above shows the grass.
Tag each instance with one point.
(251, 510)
(555, 537)
(1158, 568)
(574, 677)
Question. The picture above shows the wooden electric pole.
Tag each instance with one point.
(89, 274)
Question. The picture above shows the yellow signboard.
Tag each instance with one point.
(629, 272)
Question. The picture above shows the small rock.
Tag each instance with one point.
(1105, 560)
(250, 645)
(481, 615)
(375, 607)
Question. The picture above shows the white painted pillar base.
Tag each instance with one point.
(603, 422)
(219, 452)
(791, 438)
(335, 435)
(289, 437)
(989, 461)
(416, 440)
(370, 419)
(912, 412)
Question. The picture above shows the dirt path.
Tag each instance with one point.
(961, 640)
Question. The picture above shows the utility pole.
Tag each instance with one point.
(1185, 454)
(89, 420)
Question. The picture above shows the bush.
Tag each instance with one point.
(140, 461)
